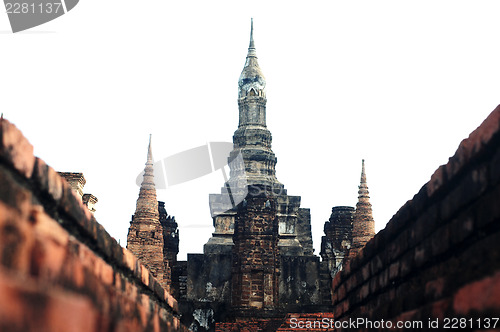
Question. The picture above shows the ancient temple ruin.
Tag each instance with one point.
(259, 262)
(437, 258)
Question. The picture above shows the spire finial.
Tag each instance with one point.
(363, 174)
(251, 47)
(252, 44)
(150, 152)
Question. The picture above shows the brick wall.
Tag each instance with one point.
(439, 256)
(255, 266)
(59, 269)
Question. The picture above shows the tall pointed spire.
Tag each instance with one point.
(251, 47)
(253, 164)
(145, 235)
(252, 81)
(363, 225)
(363, 187)
(150, 152)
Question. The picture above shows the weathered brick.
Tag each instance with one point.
(461, 227)
(376, 264)
(14, 194)
(394, 271)
(401, 219)
(434, 288)
(488, 209)
(407, 263)
(47, 180)
(476, 140)
(437, 180)
(49, 253)
(421, 200)
(482, 295)
(495, 169)
(420, 255)
(365, 272)
(16, 240)
(440, 240)
(15, 149)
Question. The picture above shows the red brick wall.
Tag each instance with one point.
(59, 269)
(439, 256)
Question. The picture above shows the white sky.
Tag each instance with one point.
(398, 83)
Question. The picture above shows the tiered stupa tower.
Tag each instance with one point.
(145, 234)
(363, 225)
(252, 165)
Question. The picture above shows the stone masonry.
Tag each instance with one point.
(255, 267)
(363, 225)
(337, 241)
(77, 182)
(145, 235)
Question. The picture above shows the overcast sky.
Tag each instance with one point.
(397, 83)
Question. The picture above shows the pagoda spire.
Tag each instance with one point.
(252, 81)
(145, 235)
(363, 187)
(363, 225)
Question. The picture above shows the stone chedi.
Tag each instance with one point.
(363, 226)
(145, 234)
(252, 145)
(348, 229)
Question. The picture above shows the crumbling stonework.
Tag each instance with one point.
(170, 247)
(77, 182)
(145, 235)
(337, 242)
(89, 201)
(170, 234)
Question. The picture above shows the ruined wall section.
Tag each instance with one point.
(337, 242)
(303, 230)
(304, 284)
(438, 257)
(59, 269)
